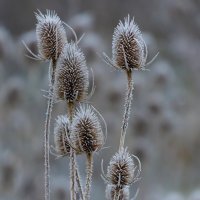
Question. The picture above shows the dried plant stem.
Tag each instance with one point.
(89, 171)
(70, 111)
(127, 108)
(74, 173)
(47, 130)
(79, 182)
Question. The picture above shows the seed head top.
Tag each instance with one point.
(121, 169)
(61, 130)
(87, 134)
(72, 77)
(128, 46)
(51, 35)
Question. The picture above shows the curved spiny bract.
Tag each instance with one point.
(72, 76)
(87, 134)
(61, 130)
(121, 169)
(114, 192)
(51, 35)
(128, 46)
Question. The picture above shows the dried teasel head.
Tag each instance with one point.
(117, 192)
(72, 76)
(51, 35)
(129, 50)
(87, 135)
(128, 46)
(121, 169)
(61, 136)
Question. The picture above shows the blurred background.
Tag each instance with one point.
(164, 128)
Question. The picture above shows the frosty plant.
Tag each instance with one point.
(129, 52)
(82, 130)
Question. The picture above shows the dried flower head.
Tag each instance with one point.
(129, 50)
(128, 45)
(117, 192)
(61, 141)
(87, 134)
(51, 35)
(121, 169)
(72, 77)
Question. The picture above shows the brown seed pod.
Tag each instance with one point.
(121, 169)
(87, 134)
(129, 50)
(116, 192)
(51, 35)
(71, 77)
(61, 141)
(128, 46)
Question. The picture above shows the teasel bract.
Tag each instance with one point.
(87, 137)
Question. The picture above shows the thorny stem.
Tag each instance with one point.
(127, 109)
(78, 182)
(47, 130)
(74, 173)
(70, 111)
(89, 175)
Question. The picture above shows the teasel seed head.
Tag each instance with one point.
(51, 35)
(87, 134)
(121, 169)
(116, 192)
(72, 76)
(61, 140)
(128, 47)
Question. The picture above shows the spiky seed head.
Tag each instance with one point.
(51, 35)
(87, 134)
(61, 141)
(121, 169)
(117, 192)
(128, 46)
(72, 76)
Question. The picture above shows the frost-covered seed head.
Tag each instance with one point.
(62, 146)
(116, 192)
(87, 134)
(51, 35)
(72, 77)
(121, 169)
(128, 44)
